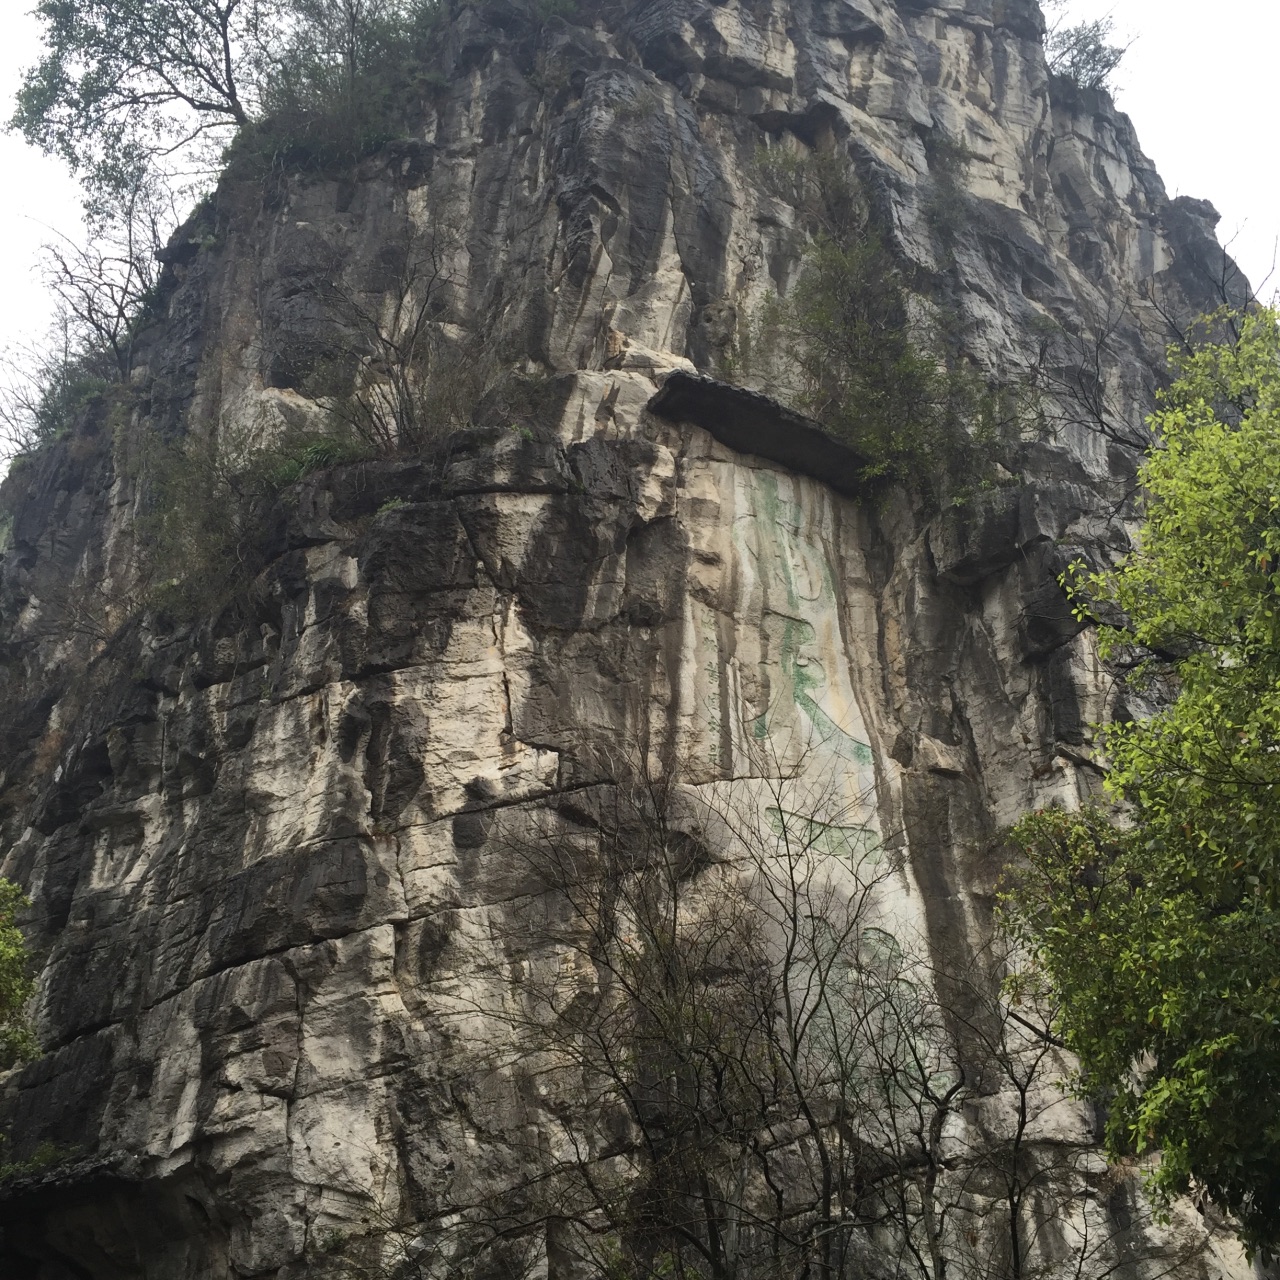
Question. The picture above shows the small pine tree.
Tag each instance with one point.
(1082, 52)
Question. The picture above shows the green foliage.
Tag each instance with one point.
(45, 389)
(120, 80)
(282, 467)
(45, 1156)
(872, 367)
(207, 511)
(1160, 937)
(615, 1265)
(340, 88)
(875, 384)
(333, 1240)
(821, 185)
(16, 984)
(945, 208)
(1082, 52)
(123, 84)
(71, 384)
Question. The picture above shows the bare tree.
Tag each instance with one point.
(1074, 371)
(41, 384)
(749, 1070)
(106, 284)
(739, 1062)
(103, 286)
(391, 375)
(385, 1242)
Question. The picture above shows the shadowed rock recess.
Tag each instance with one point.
(269, 852)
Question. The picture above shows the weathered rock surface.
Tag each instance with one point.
(261, 853)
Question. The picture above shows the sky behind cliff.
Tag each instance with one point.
(1200, 86)
(1200, 89)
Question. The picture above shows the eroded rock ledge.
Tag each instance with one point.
(749, 422)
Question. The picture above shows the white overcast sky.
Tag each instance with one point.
(1199, 82)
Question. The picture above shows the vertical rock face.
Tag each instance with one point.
(269, 853)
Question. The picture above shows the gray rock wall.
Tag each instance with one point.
(263, 851)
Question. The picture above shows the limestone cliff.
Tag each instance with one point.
(262, 848)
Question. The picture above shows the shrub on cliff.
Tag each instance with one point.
(45, 388)
(1081, 52)
(340, 87)
(16, 985)
(207, 511)
(917, 414)
(1160, 934)
(871, 362)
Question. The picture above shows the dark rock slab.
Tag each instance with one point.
(749, 422)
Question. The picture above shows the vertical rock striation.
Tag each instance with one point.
(265, 851)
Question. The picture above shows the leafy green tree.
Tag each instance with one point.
(1160, 935)
(123, 85)
(123, 80)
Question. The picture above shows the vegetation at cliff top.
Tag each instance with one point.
(125, 85)
(129, 92)
(1082, 52)
(1159, 932)
(208, 512)
(141, 99)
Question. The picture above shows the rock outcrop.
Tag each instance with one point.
(265, 850)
